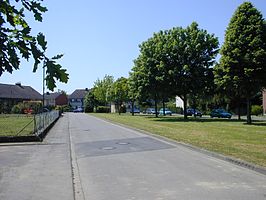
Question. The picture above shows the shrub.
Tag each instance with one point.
(256, 110)
(63, 108)
(103, 109)
(16, 109)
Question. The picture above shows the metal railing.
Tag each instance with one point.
(44, 120)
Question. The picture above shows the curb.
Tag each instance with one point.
(235, 161)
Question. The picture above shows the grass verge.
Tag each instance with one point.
(228, 137)
(16, 125)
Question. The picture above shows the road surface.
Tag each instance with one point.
(84, 157)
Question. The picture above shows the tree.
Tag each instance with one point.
(191, 54)
(90, 101)
(242, 69)
(119, 91)
(151, 68)
(17, 42)
(102, 89)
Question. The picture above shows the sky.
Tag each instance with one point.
(99, 37)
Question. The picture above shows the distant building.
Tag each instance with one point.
(264, 101)
(55, 99)
(11, 95)
(76, 99)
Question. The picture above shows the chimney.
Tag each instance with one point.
(18, 84)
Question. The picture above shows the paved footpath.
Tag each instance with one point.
(87, 158)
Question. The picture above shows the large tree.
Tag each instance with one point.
(242, 69)
(151, 68)
(191, 53)
(16, 41)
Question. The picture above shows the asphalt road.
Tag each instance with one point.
(87, 158)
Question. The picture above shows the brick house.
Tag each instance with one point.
(11, 95)
(264, 101)
(55, 99)
(76, 99)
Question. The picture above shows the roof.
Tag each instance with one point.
(18, 91)
(52, 95)
(79, 94)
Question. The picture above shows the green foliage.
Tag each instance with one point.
(119, 92)
(101, 89)
(103, 109)
(256, 110)
(242, 71)
(90, 101)
(192, 52)
(175, 62)
(17, 41)
(25, 107)
(63, 108)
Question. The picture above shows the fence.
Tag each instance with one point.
(26, 125)
(43, 120)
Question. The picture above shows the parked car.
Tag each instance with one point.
(167, 111)
(195, 112)
(151, 111)
(79, 109)
(220, 113)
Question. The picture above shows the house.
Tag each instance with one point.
(55, 99)
(11, 95)
(76, 99)
(264, 101)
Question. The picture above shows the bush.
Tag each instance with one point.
(63, 108)
(16, 109)
(88, 109)
(256, 110)
(103, 109)
(26, 108)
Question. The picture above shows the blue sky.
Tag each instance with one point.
(102, 37)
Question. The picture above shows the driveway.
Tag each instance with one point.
(84, 157)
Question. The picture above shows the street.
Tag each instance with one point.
(84, 157)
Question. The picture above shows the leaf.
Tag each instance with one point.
(57, 56)
(41, 41)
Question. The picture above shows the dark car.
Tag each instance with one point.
(78, 110)
(195, 112)
(220, 113)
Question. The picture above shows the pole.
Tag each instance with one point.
(43, 90)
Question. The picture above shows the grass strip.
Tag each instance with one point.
(228, 137)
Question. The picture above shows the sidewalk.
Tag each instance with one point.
(38, 170)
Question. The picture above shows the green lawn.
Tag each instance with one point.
(16, 125)
(228, 137)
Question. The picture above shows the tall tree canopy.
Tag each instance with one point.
(191, 52)
(151, 68)
(242, 69)
(17, 42)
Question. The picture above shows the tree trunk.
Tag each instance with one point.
(163, 108)
(185, 106)
(156, 109)
(248, 111)
(238, 110)
(132, 107)
(119, 108)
